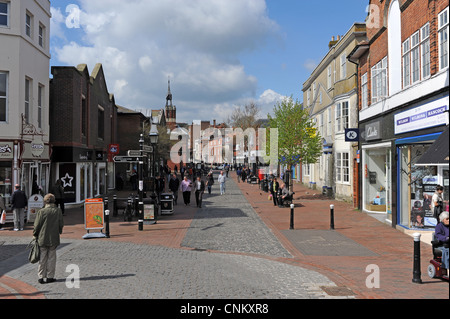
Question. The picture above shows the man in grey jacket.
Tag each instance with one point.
(47, 228)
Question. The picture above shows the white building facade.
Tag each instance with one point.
(24, 95)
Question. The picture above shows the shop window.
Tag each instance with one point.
(3, 96)
(5, 181)
(376, 180)
(417, 186)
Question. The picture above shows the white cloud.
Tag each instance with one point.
(195, 42)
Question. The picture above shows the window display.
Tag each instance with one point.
(377, 180)
(417, 186)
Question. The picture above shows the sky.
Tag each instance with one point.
(218, 54)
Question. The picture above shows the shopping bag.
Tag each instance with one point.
(35, 252)
(3, 218)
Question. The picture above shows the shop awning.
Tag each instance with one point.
(437, 154)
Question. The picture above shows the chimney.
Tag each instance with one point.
(214, 121)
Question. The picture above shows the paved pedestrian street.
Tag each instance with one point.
(236, 246)
(227, 252)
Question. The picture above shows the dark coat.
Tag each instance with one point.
(18, 199)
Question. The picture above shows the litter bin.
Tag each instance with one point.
(166, 204)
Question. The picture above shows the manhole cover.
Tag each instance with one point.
(337, 291)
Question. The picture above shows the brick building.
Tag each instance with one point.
(403, 98)
(83, 122)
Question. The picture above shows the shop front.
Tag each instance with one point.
(377, 170)
(26, 164)
(419, 128)
(81, 171)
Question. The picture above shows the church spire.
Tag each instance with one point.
(171, 110)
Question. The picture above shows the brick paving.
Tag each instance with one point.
(392, 250)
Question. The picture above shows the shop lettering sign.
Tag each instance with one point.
(373, 131)
(427, 115)
(6, 150)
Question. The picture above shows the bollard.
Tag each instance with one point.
(416, 271)
(107, 223)
(141, 216)
(292, 217)
(332, 217)
(115, 212)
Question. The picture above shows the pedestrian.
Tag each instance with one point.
(243, 174)
(133, 179)
(221, 181)
(199, 190)
(238, 173)
(174, 185)
(47, 228)
(210, 181)
(227, 169)
(274, 185)
(2, 209)
(185, 186)
(437, 202)
(441, 233)
(58, 191)
(18, 203)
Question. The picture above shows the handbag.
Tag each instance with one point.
(35, 251)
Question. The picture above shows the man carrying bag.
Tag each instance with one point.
(47, 229)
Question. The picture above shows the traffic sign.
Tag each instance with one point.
(134, 153)
(127, 159)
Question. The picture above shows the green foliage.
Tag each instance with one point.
(298, 139)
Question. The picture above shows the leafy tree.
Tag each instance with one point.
(298, 139)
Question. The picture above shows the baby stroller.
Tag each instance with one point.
(435, 269)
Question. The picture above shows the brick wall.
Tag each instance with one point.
(414, 15)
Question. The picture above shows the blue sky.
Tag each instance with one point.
(218, 53)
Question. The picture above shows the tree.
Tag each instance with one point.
(245, 116)
(298, 139)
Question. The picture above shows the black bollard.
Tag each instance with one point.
(115, 212)
(416, 271)
(292, 217)
(107, 223)
(332, 217)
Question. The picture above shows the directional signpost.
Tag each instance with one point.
(127, 159)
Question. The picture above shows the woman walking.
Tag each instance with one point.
(186, 187)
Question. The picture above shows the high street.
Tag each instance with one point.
(237, 245)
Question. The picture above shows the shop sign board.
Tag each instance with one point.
(94, 214)
(425, 116)
(35, 203)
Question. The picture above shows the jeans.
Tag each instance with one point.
(445, 255)
(222, 188)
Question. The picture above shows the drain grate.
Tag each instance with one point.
(337, 291)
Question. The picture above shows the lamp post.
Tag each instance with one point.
(141, 186)
(153, 141)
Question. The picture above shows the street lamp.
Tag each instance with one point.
(153, 135)
(141, 185)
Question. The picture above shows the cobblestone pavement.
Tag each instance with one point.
(125, 270)
(227, 252)
(229, 223)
